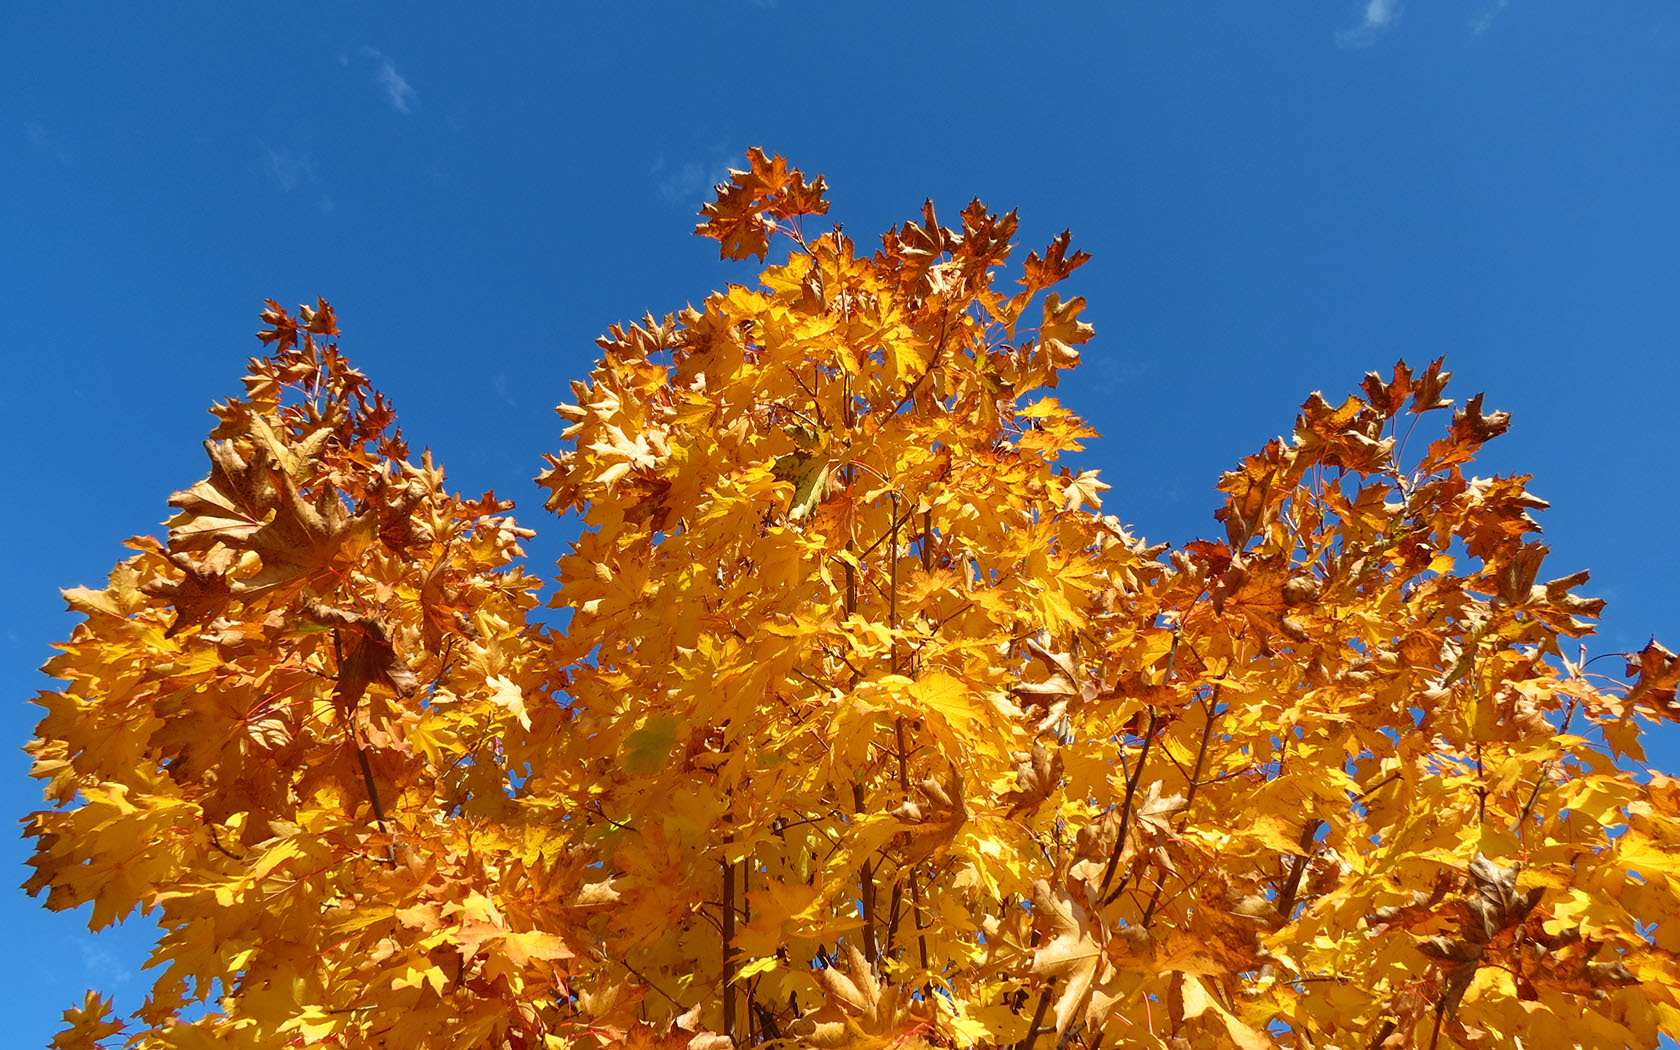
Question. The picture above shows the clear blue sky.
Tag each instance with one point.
(1278, 197)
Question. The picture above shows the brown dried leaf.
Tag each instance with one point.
(1037, 776)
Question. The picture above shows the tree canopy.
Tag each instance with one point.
(859, 723)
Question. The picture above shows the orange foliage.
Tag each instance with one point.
(868, 727)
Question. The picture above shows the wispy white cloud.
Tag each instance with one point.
(1378, 16)
(1109, 375)
(397, 89)
(105, 968)
(290, 169)
(1379, 13)
(287, 168)
(40, 140)
(1482, 22)
(689, 183)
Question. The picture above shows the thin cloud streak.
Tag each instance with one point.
(40, 140)
(689, 183)
(1379, 15)
(397, 89)
(287, 169)
(1482, 22)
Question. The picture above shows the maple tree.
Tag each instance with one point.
(867, 726)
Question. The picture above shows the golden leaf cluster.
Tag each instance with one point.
(864, 726)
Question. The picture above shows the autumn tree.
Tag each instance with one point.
(864, 724)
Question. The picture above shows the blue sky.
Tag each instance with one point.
(1279, 197)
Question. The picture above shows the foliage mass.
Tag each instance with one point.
(868, 726)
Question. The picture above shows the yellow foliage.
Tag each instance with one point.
(867, 728)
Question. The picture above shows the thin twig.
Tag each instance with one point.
(892, 573)
(1038, 1017)
(1126, 811)
(729, 942)
(1069, 1035)
(915, 886)
(216, 842)
(1211, 708)
(637, 974)
(1286, 899)
(1545, 770)
(1378, 786)
(866, 889)
(1481, 788)
(362, 760)
(1136, 777)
